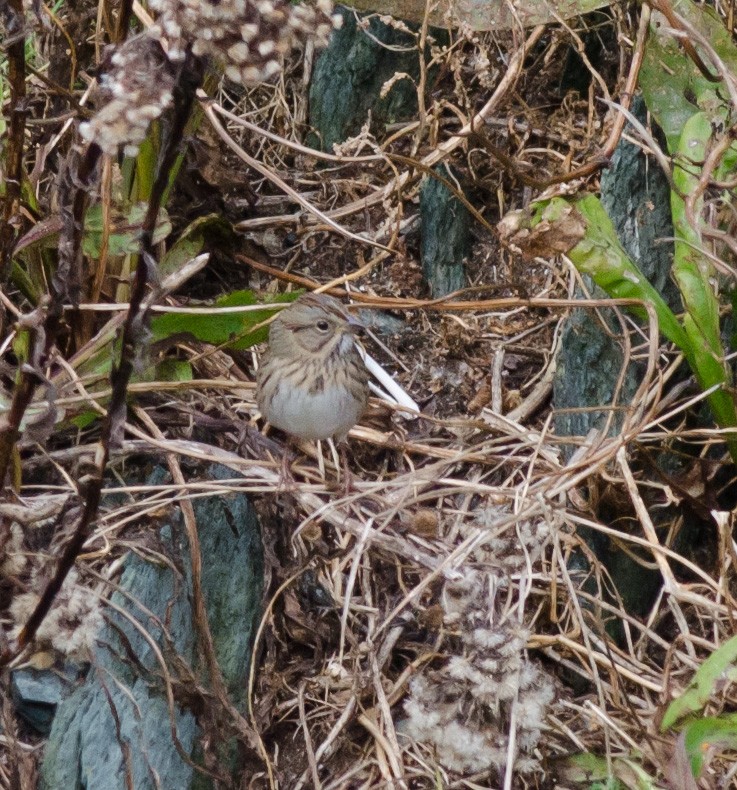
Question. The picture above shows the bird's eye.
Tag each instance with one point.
(323, 325)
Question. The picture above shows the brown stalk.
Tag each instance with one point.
(666, 9)
(449, 303)
(10, 217)
(113, 426)
(45, 327)
(124, 19)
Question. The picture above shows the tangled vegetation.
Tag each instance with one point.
(446, 618)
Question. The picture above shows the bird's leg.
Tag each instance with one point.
(347, 474)
(286, 477)
(344, 474)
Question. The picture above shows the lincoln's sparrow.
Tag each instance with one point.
(312, 382)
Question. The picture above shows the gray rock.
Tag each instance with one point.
(636, 195)
(36, 693)
(118, 723)
(445, 238)
(349, 75)
(586, 377)
(382, 323)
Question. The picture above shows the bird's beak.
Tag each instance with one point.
(355, 325)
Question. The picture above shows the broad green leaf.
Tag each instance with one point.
(84, 419)
(695, 276)
(174, 370)
(586, 767)
(692, 269)
(123, 238)
(701, 687)
(600, 255)
(703, 734)
(673, 87)
(183, 251)
(191, 241)
(98, 363)
(234, 330)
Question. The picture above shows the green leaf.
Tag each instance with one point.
(191, 241)
(85, 419)
(124, 237)
(702, 734)
(22, 280)
(692, 269)
(234, 330)
(146, 167)
(22, 345)
(695, 276)
(596, 251)
(174, 370)
(586, 767)
(701, 687)
(592, 771)
(632, 774)
(600, 255)
(673, 87)
(99, 363)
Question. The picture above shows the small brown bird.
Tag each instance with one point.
(312, 382)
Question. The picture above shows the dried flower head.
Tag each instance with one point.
(134, 90)
(73, 622)
(13, 559)
(249, 36)
(465, 710)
